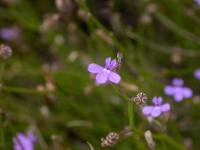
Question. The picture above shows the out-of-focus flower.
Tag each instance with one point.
(177, 90)
(197, 74)
(105, 74)
(5, 51)
(110, 140)
(10, 33)
(176, 56)
(50, 22)
(24, 141)
(156, 109)
(197, 2)
(83, 15)
(9, 2)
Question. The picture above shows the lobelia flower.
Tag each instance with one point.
(105, 74)
(197, 74)
(177, 90)
(24, 141)
(197, 2)
(156, 109)
(10, 33)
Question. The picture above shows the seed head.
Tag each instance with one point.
(140, 99)
(110, 140)
(5, 51)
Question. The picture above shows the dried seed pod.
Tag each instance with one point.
(119, 61)
(110, 140)
(126, 132)
(5, 51)
(149, 139)
(140, 99)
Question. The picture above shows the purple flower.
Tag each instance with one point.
(177, 90)
(157, 108)
(24, 141)
(197, 74)
(105, 74)
(11, 33)
(197, 2)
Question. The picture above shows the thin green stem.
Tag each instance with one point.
(131, 114)
(21, 90)
(130, 107)
(2, 68)
(2, 133)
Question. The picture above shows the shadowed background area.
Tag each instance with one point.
(46, 47)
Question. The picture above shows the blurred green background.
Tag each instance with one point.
(45, 85)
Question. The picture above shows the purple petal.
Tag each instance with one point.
(95, 68)
(114, 77)
(113, 64)
(198, 2)
(16, 144)
(11, 33)
(146, 110)
(156, 111)
(197, 74)
(187, 92)
(102, 77)
(169, 90)
(157, 100)
(23, 142)
(31, 136)
(107, 62)
(178, 97)
(165, 107)
(177, 82)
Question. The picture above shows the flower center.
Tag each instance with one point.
(106, 70)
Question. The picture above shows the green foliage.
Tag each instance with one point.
(45, 84)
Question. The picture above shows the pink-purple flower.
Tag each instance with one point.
(197, 74)
(107, 73)
(197, 2)
(24, 141)
(178, 90)
(157, 109)
(10, 33)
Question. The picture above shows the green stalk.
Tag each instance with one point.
(20, 90)
(131, 114)
(2, 133)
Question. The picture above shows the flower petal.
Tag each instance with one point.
(114, 77)
(165, 107)
(156, 111)
(102, 77)
(146, 110)
(169, 90)
(95, 68)
(24, 142)
(157, 100)
(177, 82)
(197, 74)
(113, 64)
(187, 92)
(178, 97)
(107, 62)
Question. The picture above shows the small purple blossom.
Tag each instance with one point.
(24, 141)
(105, 74)
(197, 74)
(10, 33)
(177, 90)
(156, 109)
(197, 2)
